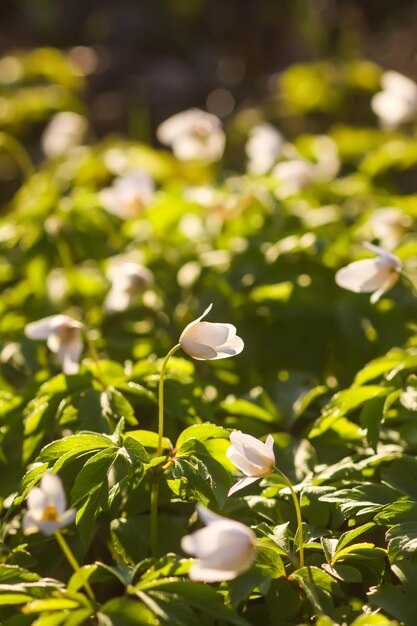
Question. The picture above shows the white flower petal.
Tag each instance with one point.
(48, 528)
(386, 286)
(197, 350)
(199, 572)
(361, 276)
(29, 523)
(67, 517)
(230, 348)
(37, 501)
(207, 516)
(242, 463)
(117, 299)
(41, 329)
(208, 333)
(191, 324)
(51, 486)
(252, 448)
(242, 483)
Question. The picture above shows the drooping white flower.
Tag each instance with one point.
(224, 548)
(129, 280)
(263, 148)
(376, 275)
(293, 176)
(47, 507)
(252, 457)
(63, 335)
(65, 131)
(397, 102)
(128, 195)
(208, 341)
(193, 135)
(389, 225)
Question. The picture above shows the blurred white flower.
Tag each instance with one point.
(128, 195)
(129, 281)
(375, 275)
(263, 148)
(252, 457)
(65, 131)
(389, 225)
(208, 341)
(194, 135)
(64, 338)
(224, 548)
(397, 102)
(328, 161)
(293, 176)
(47, 507)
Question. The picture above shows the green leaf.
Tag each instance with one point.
(75, 444)
(402, 540)
(201, 432)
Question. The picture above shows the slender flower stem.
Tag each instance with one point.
(15, 148)
(74, 564)
(156, 476)
(93, 353)
(161, 399)
(298, 515)
(408, 280)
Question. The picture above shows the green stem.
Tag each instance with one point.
(408, 280)
(20, 155)
(298, 514)
(155, 483)
(93, 354)
(161, 399)
(74, 564)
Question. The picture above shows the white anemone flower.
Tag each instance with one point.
(193, 135)
(63, 335)
(293, 176)
(208, 341)
(224, 548)
(374, 276)
(129, 194)
(252, 457)
(397, 102)
(389, 224)
(263, 148)
(47, 507)
(129, 281)
(65, 131)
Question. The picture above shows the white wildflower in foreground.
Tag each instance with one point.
(252, 457)
(374, 276)
(389, 225)
(193, 135)
(65, 131)
(128, 195)
(397, 102)
(263, 148)
(47, 507)
(63, 336)
(129, 281)
(208, 341)
(224, 548)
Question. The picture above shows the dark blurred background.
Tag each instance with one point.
(147, 59)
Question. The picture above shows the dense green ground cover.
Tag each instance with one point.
(328, 374)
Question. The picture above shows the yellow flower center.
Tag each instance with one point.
(50, 514)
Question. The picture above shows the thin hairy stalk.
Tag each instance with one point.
(156, 477)
(298, 515)
(74, 564)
